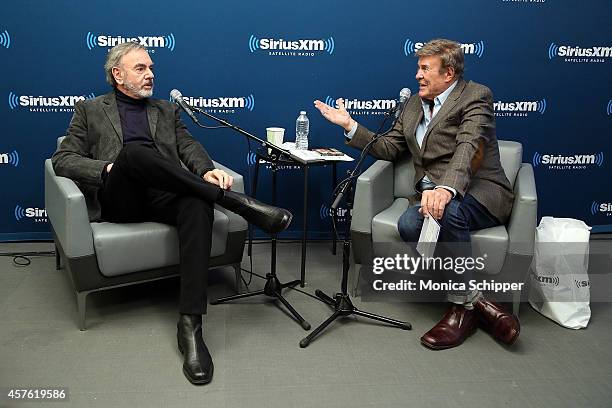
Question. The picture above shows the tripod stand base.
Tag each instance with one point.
(343, 306)
(272, 289)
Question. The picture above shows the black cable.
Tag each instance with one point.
(361, 155)
(250, 272)
(22, 258)
(356, 172)
(289, 287)
(278, 242)
(305, 293)
(212, 127)
(17, 262)
(31, 253)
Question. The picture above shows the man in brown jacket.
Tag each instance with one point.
(449, 130)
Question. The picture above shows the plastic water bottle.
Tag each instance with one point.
(302, 125)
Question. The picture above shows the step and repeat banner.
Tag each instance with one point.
(257, 64)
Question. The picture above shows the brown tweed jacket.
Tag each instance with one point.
(450, 148)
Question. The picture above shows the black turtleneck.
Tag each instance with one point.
(134, 120)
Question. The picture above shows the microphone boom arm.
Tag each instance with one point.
(278, 150)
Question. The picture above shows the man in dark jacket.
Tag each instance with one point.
(125, 150)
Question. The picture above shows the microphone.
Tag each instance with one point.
(403, 98)
(178, 99)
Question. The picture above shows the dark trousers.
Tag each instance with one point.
(142, 186)
(461, 215)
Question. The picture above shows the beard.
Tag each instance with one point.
(139, 91)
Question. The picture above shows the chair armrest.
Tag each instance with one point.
(67, 213)
(236, 222)
(374, 192)
(522, 224)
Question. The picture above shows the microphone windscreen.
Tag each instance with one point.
(176, 94)
(405, 94)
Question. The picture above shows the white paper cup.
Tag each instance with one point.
(275, 136)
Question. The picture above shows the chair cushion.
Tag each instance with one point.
(510, 155)
(490, 241)
(403, 177)
(134, 247)
(384, 224)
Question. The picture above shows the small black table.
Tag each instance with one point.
(262, 154)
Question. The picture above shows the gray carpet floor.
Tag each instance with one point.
(128, 355)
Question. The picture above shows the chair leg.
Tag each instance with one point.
(516, 302)
(357, 272)
(82, 307)
(58, 259)
(238, 273)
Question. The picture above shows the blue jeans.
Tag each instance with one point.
(461, 216)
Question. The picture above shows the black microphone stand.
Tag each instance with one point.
(273, 287)
(341, 302)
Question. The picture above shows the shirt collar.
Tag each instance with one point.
(440, 99)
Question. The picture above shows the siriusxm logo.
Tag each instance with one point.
(41, 103)
(579, 54)
(251, 160)
(531, 2)
(609, 108)
(36, 214)
(364, 107)
(240, 102)
(555, 50)
(575, 162)
(161, 41)
(604, 208)
(5, 39)
(11, 158)
(547, 280)
(476, 48)
(582, 283)
(355, 104)
(520, 108)
(301, 47)
(326, 212)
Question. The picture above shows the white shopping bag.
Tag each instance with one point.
(559, 279)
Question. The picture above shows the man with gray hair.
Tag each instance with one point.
(125, 150)
(449, 129)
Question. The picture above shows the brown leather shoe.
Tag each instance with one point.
(457, 325)
(502, 325)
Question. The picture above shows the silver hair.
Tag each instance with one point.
(450, 53)
(114, 57)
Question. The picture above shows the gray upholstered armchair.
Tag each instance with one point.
(381, 198)
(104, 255)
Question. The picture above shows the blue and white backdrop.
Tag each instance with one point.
(258, 64)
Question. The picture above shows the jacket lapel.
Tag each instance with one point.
(112, 113)
(152, 116)
(449, 104)
(414, 115)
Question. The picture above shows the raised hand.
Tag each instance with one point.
(338, 116)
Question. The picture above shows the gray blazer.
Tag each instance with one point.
(450, 148)
(94, 139)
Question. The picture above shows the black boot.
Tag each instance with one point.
(198, 366)
(267, 217)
